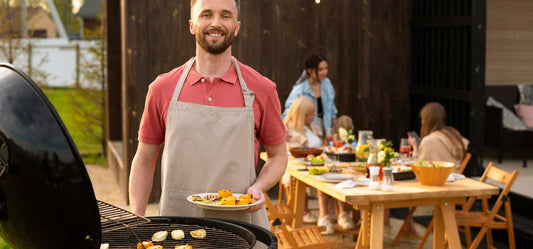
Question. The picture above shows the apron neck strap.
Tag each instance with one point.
(248, 95)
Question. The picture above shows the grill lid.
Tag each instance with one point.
(46, 196)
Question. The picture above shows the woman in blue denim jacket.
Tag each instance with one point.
(314, 84)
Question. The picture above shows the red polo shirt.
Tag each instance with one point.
(222, 91)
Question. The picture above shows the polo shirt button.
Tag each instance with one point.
(202, 80)
(209, 99)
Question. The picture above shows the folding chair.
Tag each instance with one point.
(307, 237)
(403, 229)
(486, 219)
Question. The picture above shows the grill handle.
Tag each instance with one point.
(4, 167)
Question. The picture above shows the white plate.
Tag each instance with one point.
(334, 177)
(220, 207)
(304, 162)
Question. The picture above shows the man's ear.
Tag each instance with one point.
(191, 27)
(237, 28)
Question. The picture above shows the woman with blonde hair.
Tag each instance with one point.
(438, 142)
(299, 122)
(303, 132)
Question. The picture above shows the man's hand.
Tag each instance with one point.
(269, 175)
(257, 195)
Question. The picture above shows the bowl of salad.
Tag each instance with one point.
(433, 173)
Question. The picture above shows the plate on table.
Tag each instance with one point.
(334, 177)
(216, 206)
(304, 161)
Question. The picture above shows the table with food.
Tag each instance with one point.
(343, 173)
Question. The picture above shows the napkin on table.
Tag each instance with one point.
(455, 176)
(352, 183)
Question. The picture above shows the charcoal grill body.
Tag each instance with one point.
(46, 196)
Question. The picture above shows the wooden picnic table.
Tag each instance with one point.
(372, 203)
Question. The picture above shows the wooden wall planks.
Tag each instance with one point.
(367, 43)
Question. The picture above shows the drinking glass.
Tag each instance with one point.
(405, 148)
(332, 162)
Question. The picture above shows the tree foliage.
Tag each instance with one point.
(64, 9)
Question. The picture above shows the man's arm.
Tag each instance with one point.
(141, 176)
(270, 174)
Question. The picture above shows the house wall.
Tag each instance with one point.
(509, 58)
(41, 20)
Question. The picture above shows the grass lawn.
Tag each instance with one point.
(88, 146)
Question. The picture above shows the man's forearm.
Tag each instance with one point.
(140, 186)
(274, 167)
(141, 176)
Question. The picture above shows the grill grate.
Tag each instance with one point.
(115, 218)
(216, 238)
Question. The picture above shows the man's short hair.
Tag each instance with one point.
(237, 3)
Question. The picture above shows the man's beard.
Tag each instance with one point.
(215, 49)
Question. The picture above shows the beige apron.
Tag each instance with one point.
(208, 148)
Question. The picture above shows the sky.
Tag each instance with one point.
(76, 4)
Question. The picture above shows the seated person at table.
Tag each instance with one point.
(302, 132)
(343, 121)
(438, 142)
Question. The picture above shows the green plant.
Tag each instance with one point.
(386, 154)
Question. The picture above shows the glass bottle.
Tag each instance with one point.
(362, 150)
(373, 150)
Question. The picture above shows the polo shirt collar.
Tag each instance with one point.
(229, 77)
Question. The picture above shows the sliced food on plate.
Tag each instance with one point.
(223, 200)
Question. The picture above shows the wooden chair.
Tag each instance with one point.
(281, 211)
(285, 213)
(487, 219)
(308, 237)
(403, 229)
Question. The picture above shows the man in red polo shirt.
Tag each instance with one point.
(210, 113)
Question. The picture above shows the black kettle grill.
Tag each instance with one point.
(46, 196)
